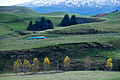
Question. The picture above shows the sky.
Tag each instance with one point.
(12, 2)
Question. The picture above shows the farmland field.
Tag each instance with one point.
(76, 41)
(20, 43)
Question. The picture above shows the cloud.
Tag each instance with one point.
(12, 2)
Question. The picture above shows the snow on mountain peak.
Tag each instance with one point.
(72, 3)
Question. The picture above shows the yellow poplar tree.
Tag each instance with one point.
(26, 66)
(66, 63)
(17, 66)
(35, 64)
(109, 64)
(46, 64)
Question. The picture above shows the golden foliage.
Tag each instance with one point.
(46, 61)
(109, 63)
(26, 63)
(66, 63)
(17, 65)
(35, 63)
(67, 60)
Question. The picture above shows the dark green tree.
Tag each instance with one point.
(50, 24)
(43, 24)
(36, 25)
(30, 26)
(65, 21)
(73, 20)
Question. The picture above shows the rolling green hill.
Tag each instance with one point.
(63, 40)
(113, 15)
(61, 14)
(17, 9)
(112, 25)
(17, 18)
(108, 15)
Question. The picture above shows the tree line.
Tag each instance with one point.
(27, 66)
(43, 24)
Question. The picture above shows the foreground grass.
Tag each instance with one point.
(74, 75)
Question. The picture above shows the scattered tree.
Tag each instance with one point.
(46, 64)
(35, 64)
(109, 64)
(26, 66)
(66, 63)
(17, 66)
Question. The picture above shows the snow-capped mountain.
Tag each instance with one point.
(74, 6)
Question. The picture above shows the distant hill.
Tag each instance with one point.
(61, 14)
(100, 15)
(17, 9)
(114, 14)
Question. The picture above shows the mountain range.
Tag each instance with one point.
(84, 7)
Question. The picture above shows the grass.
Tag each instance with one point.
(19, 43)
(72, 75)
(17, 18)
(106, 26)
(11, 40)
(112, 15)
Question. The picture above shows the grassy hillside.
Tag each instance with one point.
(112, 25)
(21, 43)
(17, 9)
(112, 15)
(61, 14)
(61, 41)
(75, 75)
(17, 18)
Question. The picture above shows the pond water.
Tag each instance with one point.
(40, 37)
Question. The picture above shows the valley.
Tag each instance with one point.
(98, 39)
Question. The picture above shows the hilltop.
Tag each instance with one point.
(17, 9)
(114, 14)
